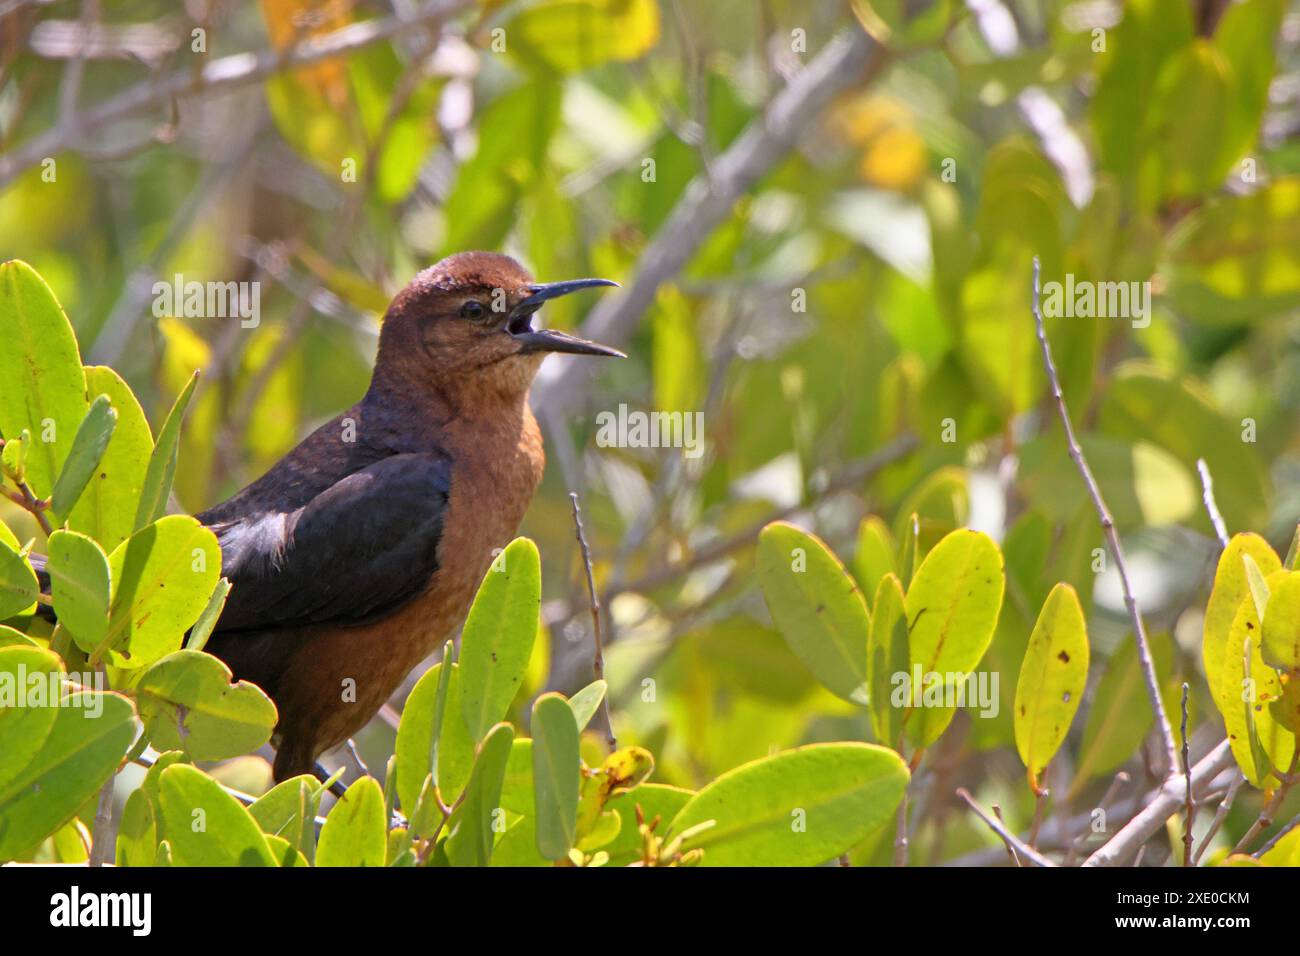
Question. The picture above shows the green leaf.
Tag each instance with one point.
(42, 386)
(1231, 586)
(76, 758)
(206, 826)
(1259, 741)
(137, 832)
(107, 507)
(162, 578)
(514, 132)
(288, 810)
(572, 35)
(208, 618)
(875, 554)
(162, 463)
(816, 606)
(1189, 157)
(414, 733)
(11, 638)
(356, 831)
(187, 702)
(801, 807)
(80, 586)
(498, 636)
(952, 604)
(586, 702)
(87, 450)
(556, 771)
(1120, 713)
(1236, 259)
(1149, 35)
(1281, 640)
(471, 826)
(887, 656)
(517, 846)
(1052, 678)
(18, 585)
(24, 729)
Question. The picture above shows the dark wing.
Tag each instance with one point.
(359, 549)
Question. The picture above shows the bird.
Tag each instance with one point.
(360, 551)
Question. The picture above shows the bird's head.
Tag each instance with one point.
(472, 317)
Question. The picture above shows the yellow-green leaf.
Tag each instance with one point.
(80, 586)
(816, 606)
(1281, 647)
(498, 636)
(187, 702)
(887, 657)
(801, 807)
(952, 606)
(1230, 588)
(205, 825)
(42, 386)
(573, 35)
(356, 831)
(472, 829)
(556, 770)
(162, 578)
(1052, 679)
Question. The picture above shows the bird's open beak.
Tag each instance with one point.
(552, 340)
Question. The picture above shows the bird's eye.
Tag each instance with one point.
(472, 310)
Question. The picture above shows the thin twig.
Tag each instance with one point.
(1211, 506)
(1011, 851)
(1040, 805)
(1220, 814)
(1273, 840)
(24, 499)
(1163, 805)
(1107, 799)
(1187, 774)
(1010, 839)
(598, 659)
(900, 836)
(101, 840)
(1112, 539)
(1265, 819)
(239, 69)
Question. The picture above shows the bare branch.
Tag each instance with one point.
(1220, 814)
(708, 201)
(1112, 540)
(229, 72)
(1163, 805)
(1023, 850)
(598, 659)
(900, 836)
(1187, 774)
(1211, 506)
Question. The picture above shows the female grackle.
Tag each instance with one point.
(361, 550)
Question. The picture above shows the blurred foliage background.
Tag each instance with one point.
(871, 292)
